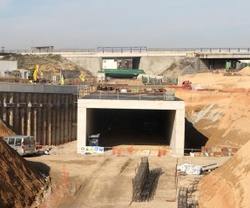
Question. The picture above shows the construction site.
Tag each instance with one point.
(125, 127)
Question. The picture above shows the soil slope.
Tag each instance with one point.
(222, 117)
(19, 184)
(48, 64)
(4, 130)
(228, 187)
(222, 114)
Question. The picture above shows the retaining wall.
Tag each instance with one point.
(46, 112)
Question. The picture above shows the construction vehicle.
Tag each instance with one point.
(187, 85)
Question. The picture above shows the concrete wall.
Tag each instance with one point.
(177, 138)
(150, 64)
(37, 88)
(7, 66)
(92, 64)
(153, 65)
(157, 65)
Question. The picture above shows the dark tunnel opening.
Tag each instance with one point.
(194, 139)
(131, 127)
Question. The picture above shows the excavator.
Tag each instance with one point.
(37, 75)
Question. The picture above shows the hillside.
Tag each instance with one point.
(48, 64)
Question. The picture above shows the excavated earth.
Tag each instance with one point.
(228, 187)
(220, 111)
(19, 182)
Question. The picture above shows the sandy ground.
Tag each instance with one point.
(229, 186)
(221, 114)
(106, 181)
(210, 80)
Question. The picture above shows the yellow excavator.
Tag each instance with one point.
(36, 73)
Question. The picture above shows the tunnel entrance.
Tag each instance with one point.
(131, 127)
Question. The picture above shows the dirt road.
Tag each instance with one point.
(105, 181)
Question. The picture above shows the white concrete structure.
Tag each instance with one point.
(7, 66)
(176, 117)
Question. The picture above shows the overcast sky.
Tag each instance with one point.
(152, 23)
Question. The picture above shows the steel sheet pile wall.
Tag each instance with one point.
(49, 117)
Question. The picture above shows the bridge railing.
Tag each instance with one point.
(201, 50)
(136, 50)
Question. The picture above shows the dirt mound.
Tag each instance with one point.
(245, 71)
(19, 183)
(47, 64)
(4, 130)
(228, 187)
(181, 67)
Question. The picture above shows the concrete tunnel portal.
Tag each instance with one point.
(131, 126)
(132, 122)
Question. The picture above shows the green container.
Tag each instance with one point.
(122, 73)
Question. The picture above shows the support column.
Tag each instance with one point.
(53, 119)
(35, 110)
(11, 109)
(81, 128)
(29, 114)
(4, 107)
(66, 119)
(44, 123)
(58, 135)
(49, 106)
(16, 113)
(23, 107)
(40, 119)
(62, 111)
(178, 141)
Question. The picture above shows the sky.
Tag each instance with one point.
(151, 23)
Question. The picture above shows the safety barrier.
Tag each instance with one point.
(161, 151)
(127, 151)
